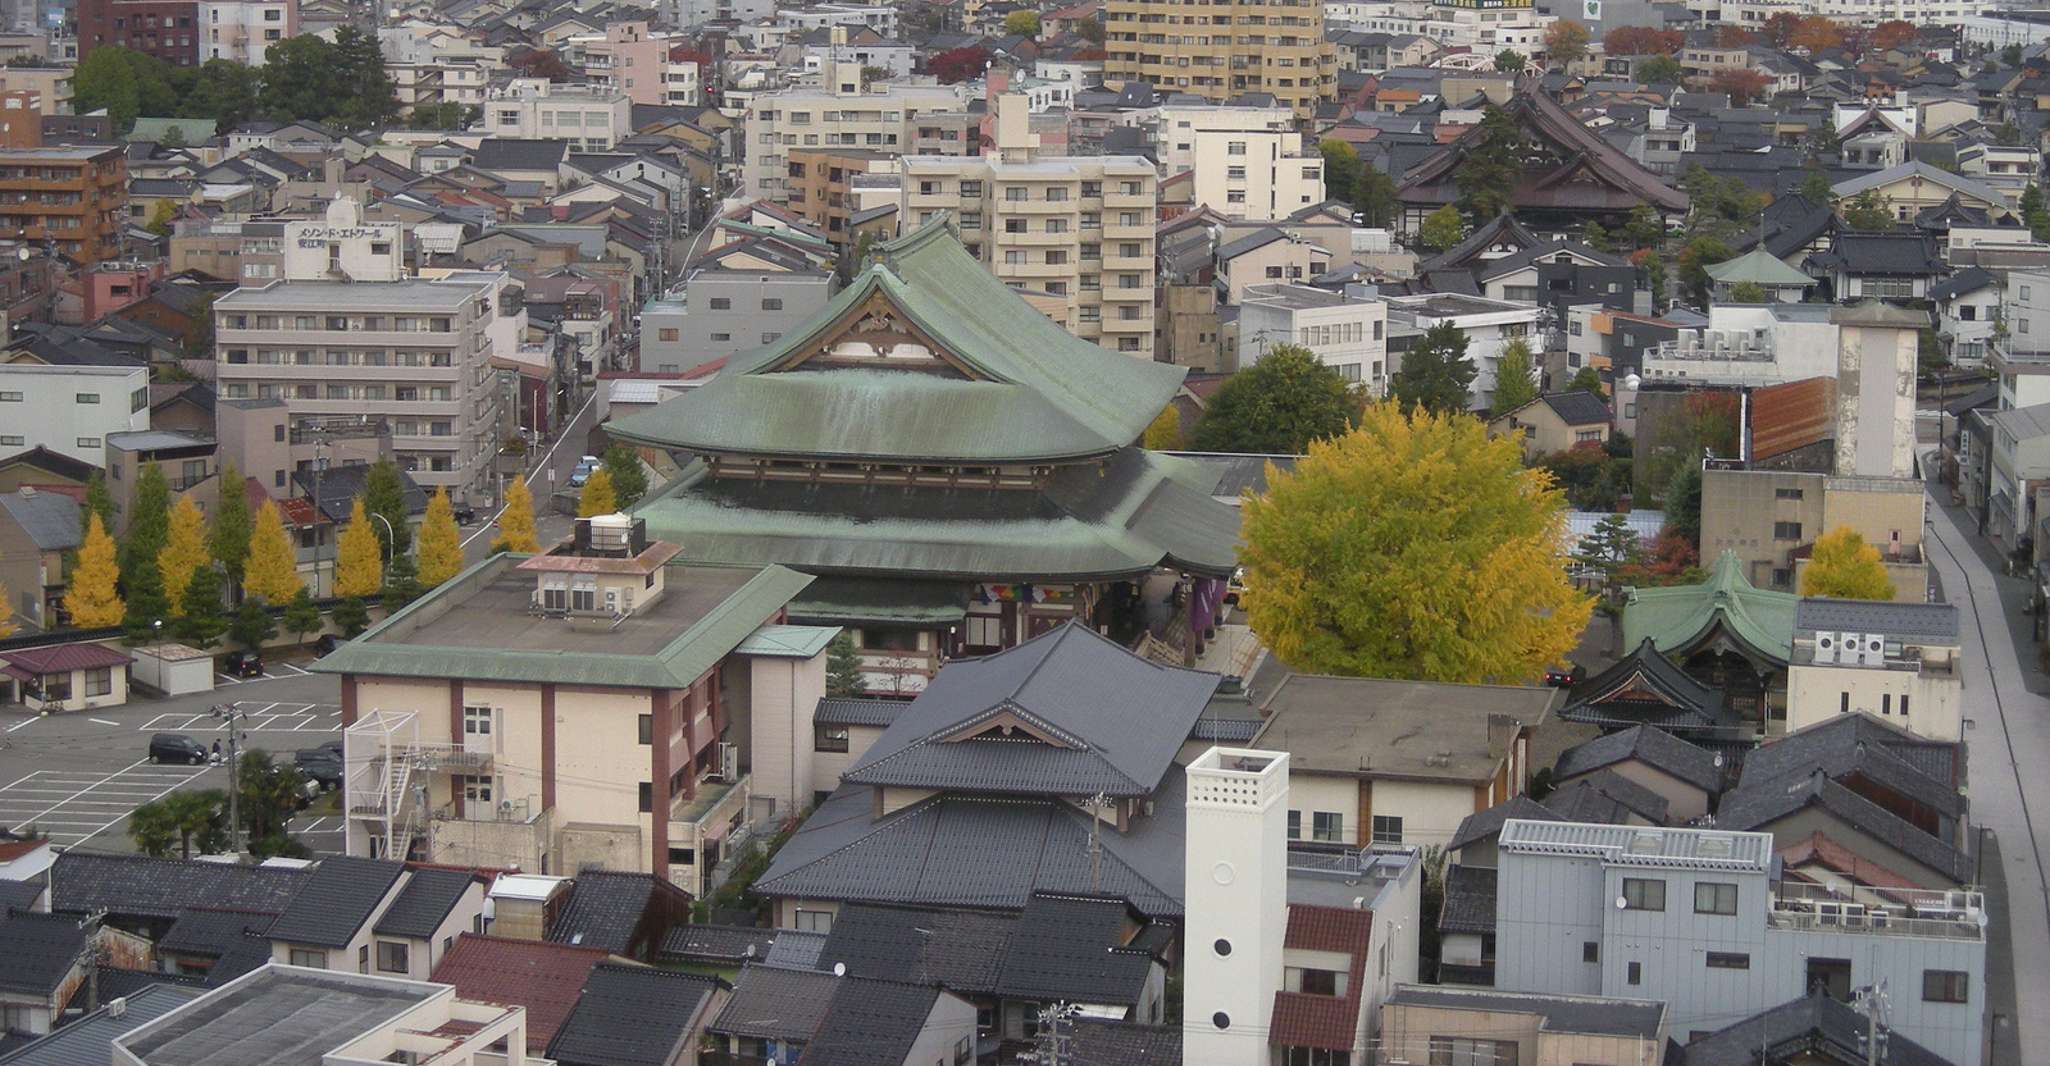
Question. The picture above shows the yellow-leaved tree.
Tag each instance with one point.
(597, 497)
(1413, 547)
(358, 569)
(1846, 567)
(183, 552)
(516, 524)
(1164, 434)
(271, 570)
(89, 597)
(439, 548)
(6, 611)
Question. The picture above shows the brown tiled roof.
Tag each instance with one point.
(1328, 1022)
(545, 978)
(1589, 162)
(66, 657)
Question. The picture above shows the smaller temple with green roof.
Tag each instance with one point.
(958, 471)
(1780, 282)
(1724, 632)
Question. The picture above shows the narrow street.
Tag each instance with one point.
(2006, 725)
(549, 472)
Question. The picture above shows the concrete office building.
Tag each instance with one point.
(1895, 661)
(1276, 47)
(724, 311)
(70, 409)
(416, 353)
(1076, 228)
(591, 118)
(1341, 331)
(839, 112)
(1694, 917)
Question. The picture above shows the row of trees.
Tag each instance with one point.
(192, 822)
(342, 82)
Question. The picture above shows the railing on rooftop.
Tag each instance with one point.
(1957, 914)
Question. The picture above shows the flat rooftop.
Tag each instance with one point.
(413, 295)
(1369, 727)
(1299, 297)
(279, 1016)
(491, 613)
(1592, 1015)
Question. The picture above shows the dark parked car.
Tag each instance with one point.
(324, 645)
(242, 664)
(321, 766)
(176, 747)
(464, 514)
(1563, 678)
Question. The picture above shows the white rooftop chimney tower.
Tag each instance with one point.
(1235, 878)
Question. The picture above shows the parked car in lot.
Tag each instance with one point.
(176, 748)
(242, 664)
(464, 514)
(325, 644)
(321, 766)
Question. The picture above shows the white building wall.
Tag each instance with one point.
(1257, 175)
(70, 409)
(1236, 889)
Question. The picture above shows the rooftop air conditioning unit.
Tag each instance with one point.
(1826, 646)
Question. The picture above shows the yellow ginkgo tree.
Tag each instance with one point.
(183, 552)
(358, 569)
(439, 546)
(90, 597)
(270, 571)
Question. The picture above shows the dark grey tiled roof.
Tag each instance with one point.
(1860, 744)
(1577, 408)
(1607, 796)
(49, 518)
(142, 887)
(1645, 688)
(1115, 721)
(1469, 900)
(1483, 824)
(771, 1003)
(118, 981)
(20, 895)
(606, 908)
(962, 951)
(1101, 1043)
(960, 851)
(857, 711)
(871, 1023)
(721, 943)
(1911, 621)
(797, 949)
(211, 931)
(1068, 948)
(630, 1016)
(424, 903)
(336, 900)
(39, 950)
(1238, 474)
(506, 153)
(1592, 1015)
(1756, 807)
(1838, 1028)
(89, 1041)
(1225, 730)
(1653, 747)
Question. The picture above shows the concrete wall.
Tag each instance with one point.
(1923, 702)
(1875, 401)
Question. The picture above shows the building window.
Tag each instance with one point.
(1590, 951)
(392, 958)
(1314, 982)
(477, 723)
(88, 397)
(647, 797)
(1467, 1051)
(814, 921)
(309, 958)
(99, 682)
(1728, 960)
(1634, 973)
(1387, 830)
(721, 303)
(647, 729)
(1644, 894)
(1712, 897)
(828, 737)
(665, 334)
(1295, 825)
(772, 303)
(476, 789)
(1327, 826)
(1786, 494)
(1945, 986)
(88, 442)
(1786, 531)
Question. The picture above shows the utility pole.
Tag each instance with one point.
(232, 716)
(1871, 1000)
(1054, 1034)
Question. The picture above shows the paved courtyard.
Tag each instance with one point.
(73, 807)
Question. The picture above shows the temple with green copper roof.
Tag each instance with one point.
(1723, 631)
(958, 471)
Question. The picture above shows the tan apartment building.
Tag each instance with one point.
(1076, 228)
(820, 184)
(74, 198)
(51, 85)
(1221, 51)
(415, 353)
(589, 705)
(1771, 518)
(840, 112)
(1256, 175)
(1437, 1023)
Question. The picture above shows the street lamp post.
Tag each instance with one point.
(391, 538)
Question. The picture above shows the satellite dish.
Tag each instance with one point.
(839, 969)
(1622, 903)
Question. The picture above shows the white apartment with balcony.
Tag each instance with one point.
(1174, 133)
(837, 111)
(414, 352)
(1078, 229)
(590, 118)
(241, 31)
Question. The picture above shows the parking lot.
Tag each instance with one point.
(262, 716)
(272, 672)
(72, 807)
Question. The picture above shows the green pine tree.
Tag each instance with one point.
(384, 493)
(203, 622)
(253, 625)
(351, 617)
(843, 667)
(228, 532)
(302, 615)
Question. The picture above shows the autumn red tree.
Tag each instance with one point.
(1816, 34)
(1642, 41)
(958, 64)
(1743, 85)
(1779, 29)
(1669, 560)
(539, 63)
(1891, 34)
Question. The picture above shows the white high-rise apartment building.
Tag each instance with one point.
(1078, 229)
(1257, 175)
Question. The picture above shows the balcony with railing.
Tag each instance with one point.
(1957, 914)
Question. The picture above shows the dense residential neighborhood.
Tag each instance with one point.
(946, 532)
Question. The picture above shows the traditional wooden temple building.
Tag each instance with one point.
(1571, 176)
(1723, 632)
(959, 472)
(1646, 688)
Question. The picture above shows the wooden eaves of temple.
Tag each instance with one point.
(959, 471)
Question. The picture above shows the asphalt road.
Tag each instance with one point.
(2007, 726)
(559, 458)
(78, 775)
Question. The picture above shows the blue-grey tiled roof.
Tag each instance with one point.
(424, 903)
(630, 1016)
(336, 900)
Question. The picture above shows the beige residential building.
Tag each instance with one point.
(591, 118)
(1897, 662)
(1770, 519)
(1076, 228)
(416, 353)
(1257, 175)
(1439, 1023)
(1220, 51)
(839, 112)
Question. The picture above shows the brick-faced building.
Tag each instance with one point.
(166, 29)
(71, 197)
